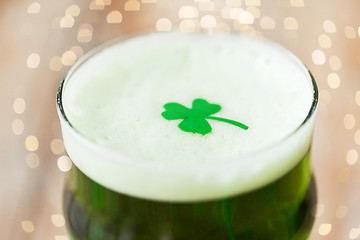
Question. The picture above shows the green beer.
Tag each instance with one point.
(234, 165)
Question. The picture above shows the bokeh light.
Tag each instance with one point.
(341, 211)
(64, 163)
(67, 21)
(57, 146)
(17, 126)
(267, 22)
(19, 105)
(325, 41)
(163, 25)
(32, 160)
(333, 80)
(325, 229)
(349, 121)
(33, 60)
(329, 26)
(27, 226)
(85, 32)
(318, 57)
(291, 23)
(34, 8)
(73, 10)
(114, 17)
(31, 143)
(58, 220)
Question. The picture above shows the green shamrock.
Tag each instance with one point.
(195, 118)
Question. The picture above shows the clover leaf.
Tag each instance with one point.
(195, 119)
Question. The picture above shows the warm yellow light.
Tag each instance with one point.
(349, 121)
(114, 17)
(31, 143)
(163, 25)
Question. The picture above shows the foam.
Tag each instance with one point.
(114, 102)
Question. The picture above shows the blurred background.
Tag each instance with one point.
(41, 40)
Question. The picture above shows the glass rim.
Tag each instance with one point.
(103, 46)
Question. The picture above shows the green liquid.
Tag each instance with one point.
(280, 210)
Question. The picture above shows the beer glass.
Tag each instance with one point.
(110, 196)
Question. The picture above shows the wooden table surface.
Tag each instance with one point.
(40, 40)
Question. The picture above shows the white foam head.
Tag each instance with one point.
(114, 98)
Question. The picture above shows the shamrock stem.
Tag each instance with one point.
(238, 124)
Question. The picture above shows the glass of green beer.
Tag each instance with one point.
(179, 136)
